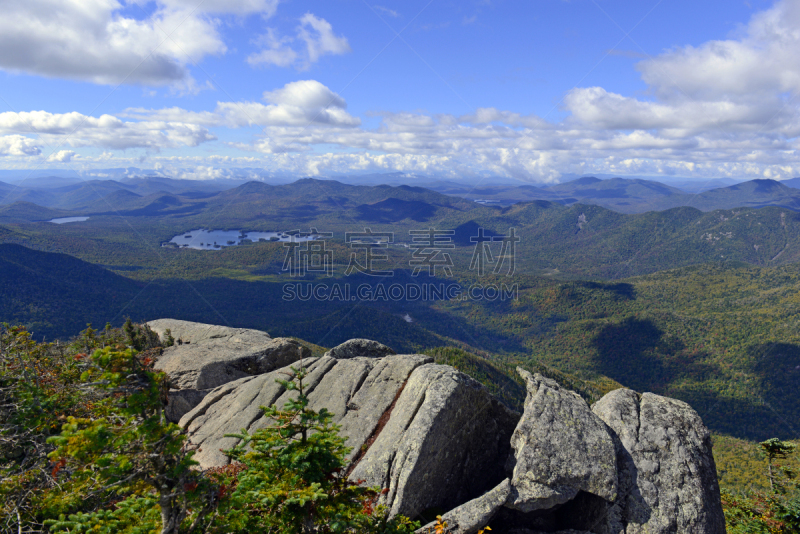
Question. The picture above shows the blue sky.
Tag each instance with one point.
(529, 90)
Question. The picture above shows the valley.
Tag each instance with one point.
(701, 306)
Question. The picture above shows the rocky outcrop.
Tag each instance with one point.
(189, 332)
(632, 464)
(445, 443)
(359, 347)
(560, 448)
(210, 356)
(211, 363)
(668, 480)
(430, 435)
(433, 438)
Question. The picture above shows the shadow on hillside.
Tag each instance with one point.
(623, 290)
(158, 209)
(636, 354)
(737, 417)
(395, 209)
(465, 233)
(336, 201)
(301, 213)
(779, 363)
(405, 326)
(778, 366)
(625, 352)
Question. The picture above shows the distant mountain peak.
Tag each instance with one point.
(586, 180)
(310, 180)
(766, 181)
(758, 185)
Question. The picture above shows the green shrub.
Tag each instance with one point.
(293, 480)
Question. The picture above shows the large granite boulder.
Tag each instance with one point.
(359, 347)
(668, 480)
(445, 443)
(430, 435)
(560, 448)
(358, 392)
(190, 332)
(632, 464)
(210, 356)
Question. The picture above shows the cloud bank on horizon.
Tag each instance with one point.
(720, 107)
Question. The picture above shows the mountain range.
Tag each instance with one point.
(619, 194)
(636, 195)
(576, 240)
(63, 193)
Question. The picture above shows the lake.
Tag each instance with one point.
(216, 239)
(63, 220)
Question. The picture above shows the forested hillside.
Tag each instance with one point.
(576, 241)
(722, 337)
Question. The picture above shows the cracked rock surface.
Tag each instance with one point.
(445, 443)
(444, 438)
(212, 355)
(560, 448)
(668, 480)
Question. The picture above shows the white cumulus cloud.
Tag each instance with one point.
(302, 103)
(720, 87)
(762, 63)
(19, 145)
(320, 40)
(62, 156)
(92, 40)
(314, 38)
(106, 131)
(238, 7)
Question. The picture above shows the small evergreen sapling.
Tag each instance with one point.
(774, 449)
(775, 513)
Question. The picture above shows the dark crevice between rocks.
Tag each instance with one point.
(364, 375)
(387, 481)
(275, 398)
(384, 419)
(249, 426)
(219, 393)
(248, 366)
(420, 402)
(638, 416)
(315, 379)
(202, 412)
(583, 513)
(631, 506)
(260, 413)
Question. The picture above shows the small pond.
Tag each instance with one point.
(216, 239)
(63, 220)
